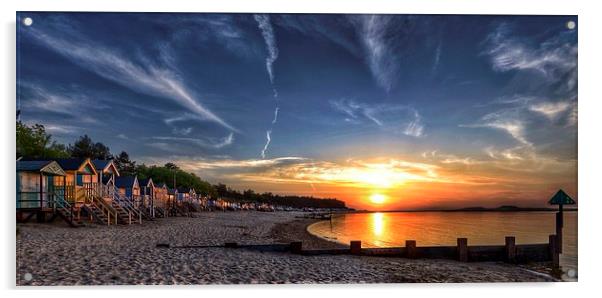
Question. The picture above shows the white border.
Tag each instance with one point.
(589, 138)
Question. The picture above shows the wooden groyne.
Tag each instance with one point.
(510, 252)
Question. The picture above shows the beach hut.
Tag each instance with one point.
(161, 198)
(41, 191)
(147, 194)
(192, 194)
(183, 194)
(128, 186)
(38, 185)
(172, 195)
(80, 186)
(105, 177)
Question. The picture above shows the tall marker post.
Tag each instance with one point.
(560, 199)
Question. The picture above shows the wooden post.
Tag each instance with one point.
(510, 249)
(40, 216)
(411, 249)
(553, 248)
(462, 249)
(41, 191)
(356, 247)
(296, 247)
(231, 245)
(559, 226)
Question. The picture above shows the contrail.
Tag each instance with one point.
(275, 115)
(265, 148)
(267, 31)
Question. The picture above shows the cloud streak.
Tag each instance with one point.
(263, 22)
(397, 118)
(210, 143)
(267, 31)
(373, 30)
(145, 78)
(554, 59)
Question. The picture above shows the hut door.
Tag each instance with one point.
(50, 191)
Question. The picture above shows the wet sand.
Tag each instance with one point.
(55, 254)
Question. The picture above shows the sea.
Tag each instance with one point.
(392, 229)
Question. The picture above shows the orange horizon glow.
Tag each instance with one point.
(402, 183)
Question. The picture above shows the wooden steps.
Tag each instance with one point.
(68, 217)
(160, 212)
(124, 216)
(96, 213)
(65, 211)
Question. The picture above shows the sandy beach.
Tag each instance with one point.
(55, 254)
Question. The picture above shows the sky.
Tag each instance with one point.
(385, 112)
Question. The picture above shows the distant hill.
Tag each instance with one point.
(511, 208)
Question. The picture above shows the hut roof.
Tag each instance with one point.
(70, 164)
(146, 182)
(81, 165)
(104, 164)
(172, 191)
(125, 181)
(45, 166)
(184, 189)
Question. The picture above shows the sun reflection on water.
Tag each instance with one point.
(378, 223)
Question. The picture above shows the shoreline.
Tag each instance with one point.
(296, 230)
(54, 254)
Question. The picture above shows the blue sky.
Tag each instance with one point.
(276, 101)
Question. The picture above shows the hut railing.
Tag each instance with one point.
(127, 205)
(90, 189)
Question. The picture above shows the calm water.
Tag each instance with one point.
(388, 229)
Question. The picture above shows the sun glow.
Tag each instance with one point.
(378, 198)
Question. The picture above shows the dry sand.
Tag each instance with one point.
(55, 254)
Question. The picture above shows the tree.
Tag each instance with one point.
(171, 166)
(125, 166)
(34, 142)
(84, 147)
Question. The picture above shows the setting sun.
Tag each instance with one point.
(378, 198)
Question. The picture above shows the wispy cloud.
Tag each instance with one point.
(241, 164)
(147, 78)
(70, 101)
(210, 143)
(323, 27)
(555, 59)
(267, 31)
(552, 110)
(508, 120)
(374, 32)
(263, 22)
(398, 118)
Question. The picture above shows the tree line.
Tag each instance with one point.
(34, 142)
(250, 195)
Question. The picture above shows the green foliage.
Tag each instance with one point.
(84, 147)
(292, 201)
(125, 166)
(34, 142)
(166, 173)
